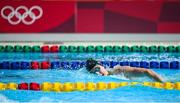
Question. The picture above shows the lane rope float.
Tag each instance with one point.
(81, 86)
(75, 65)
(89, 48)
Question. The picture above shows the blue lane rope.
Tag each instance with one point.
(75, 65)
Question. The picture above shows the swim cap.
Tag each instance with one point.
(90, 63)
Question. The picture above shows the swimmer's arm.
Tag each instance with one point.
(154, 75)
(149, 72)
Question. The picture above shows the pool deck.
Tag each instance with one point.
(90, 39)
(128, 43)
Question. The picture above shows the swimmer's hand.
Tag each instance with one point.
(99, 73)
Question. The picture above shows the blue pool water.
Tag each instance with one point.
(126, 94)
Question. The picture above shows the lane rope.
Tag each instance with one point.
(81, 86)
(89, 48)
(75, 65)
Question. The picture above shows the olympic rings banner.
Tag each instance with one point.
(89, 16)
(21, 17)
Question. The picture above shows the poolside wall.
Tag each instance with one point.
(86, 39)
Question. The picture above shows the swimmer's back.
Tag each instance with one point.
(116, 70)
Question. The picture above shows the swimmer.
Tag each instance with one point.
(93, 66)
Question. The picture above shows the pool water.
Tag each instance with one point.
(125, 94)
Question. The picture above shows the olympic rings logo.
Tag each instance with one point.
(21, 16)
